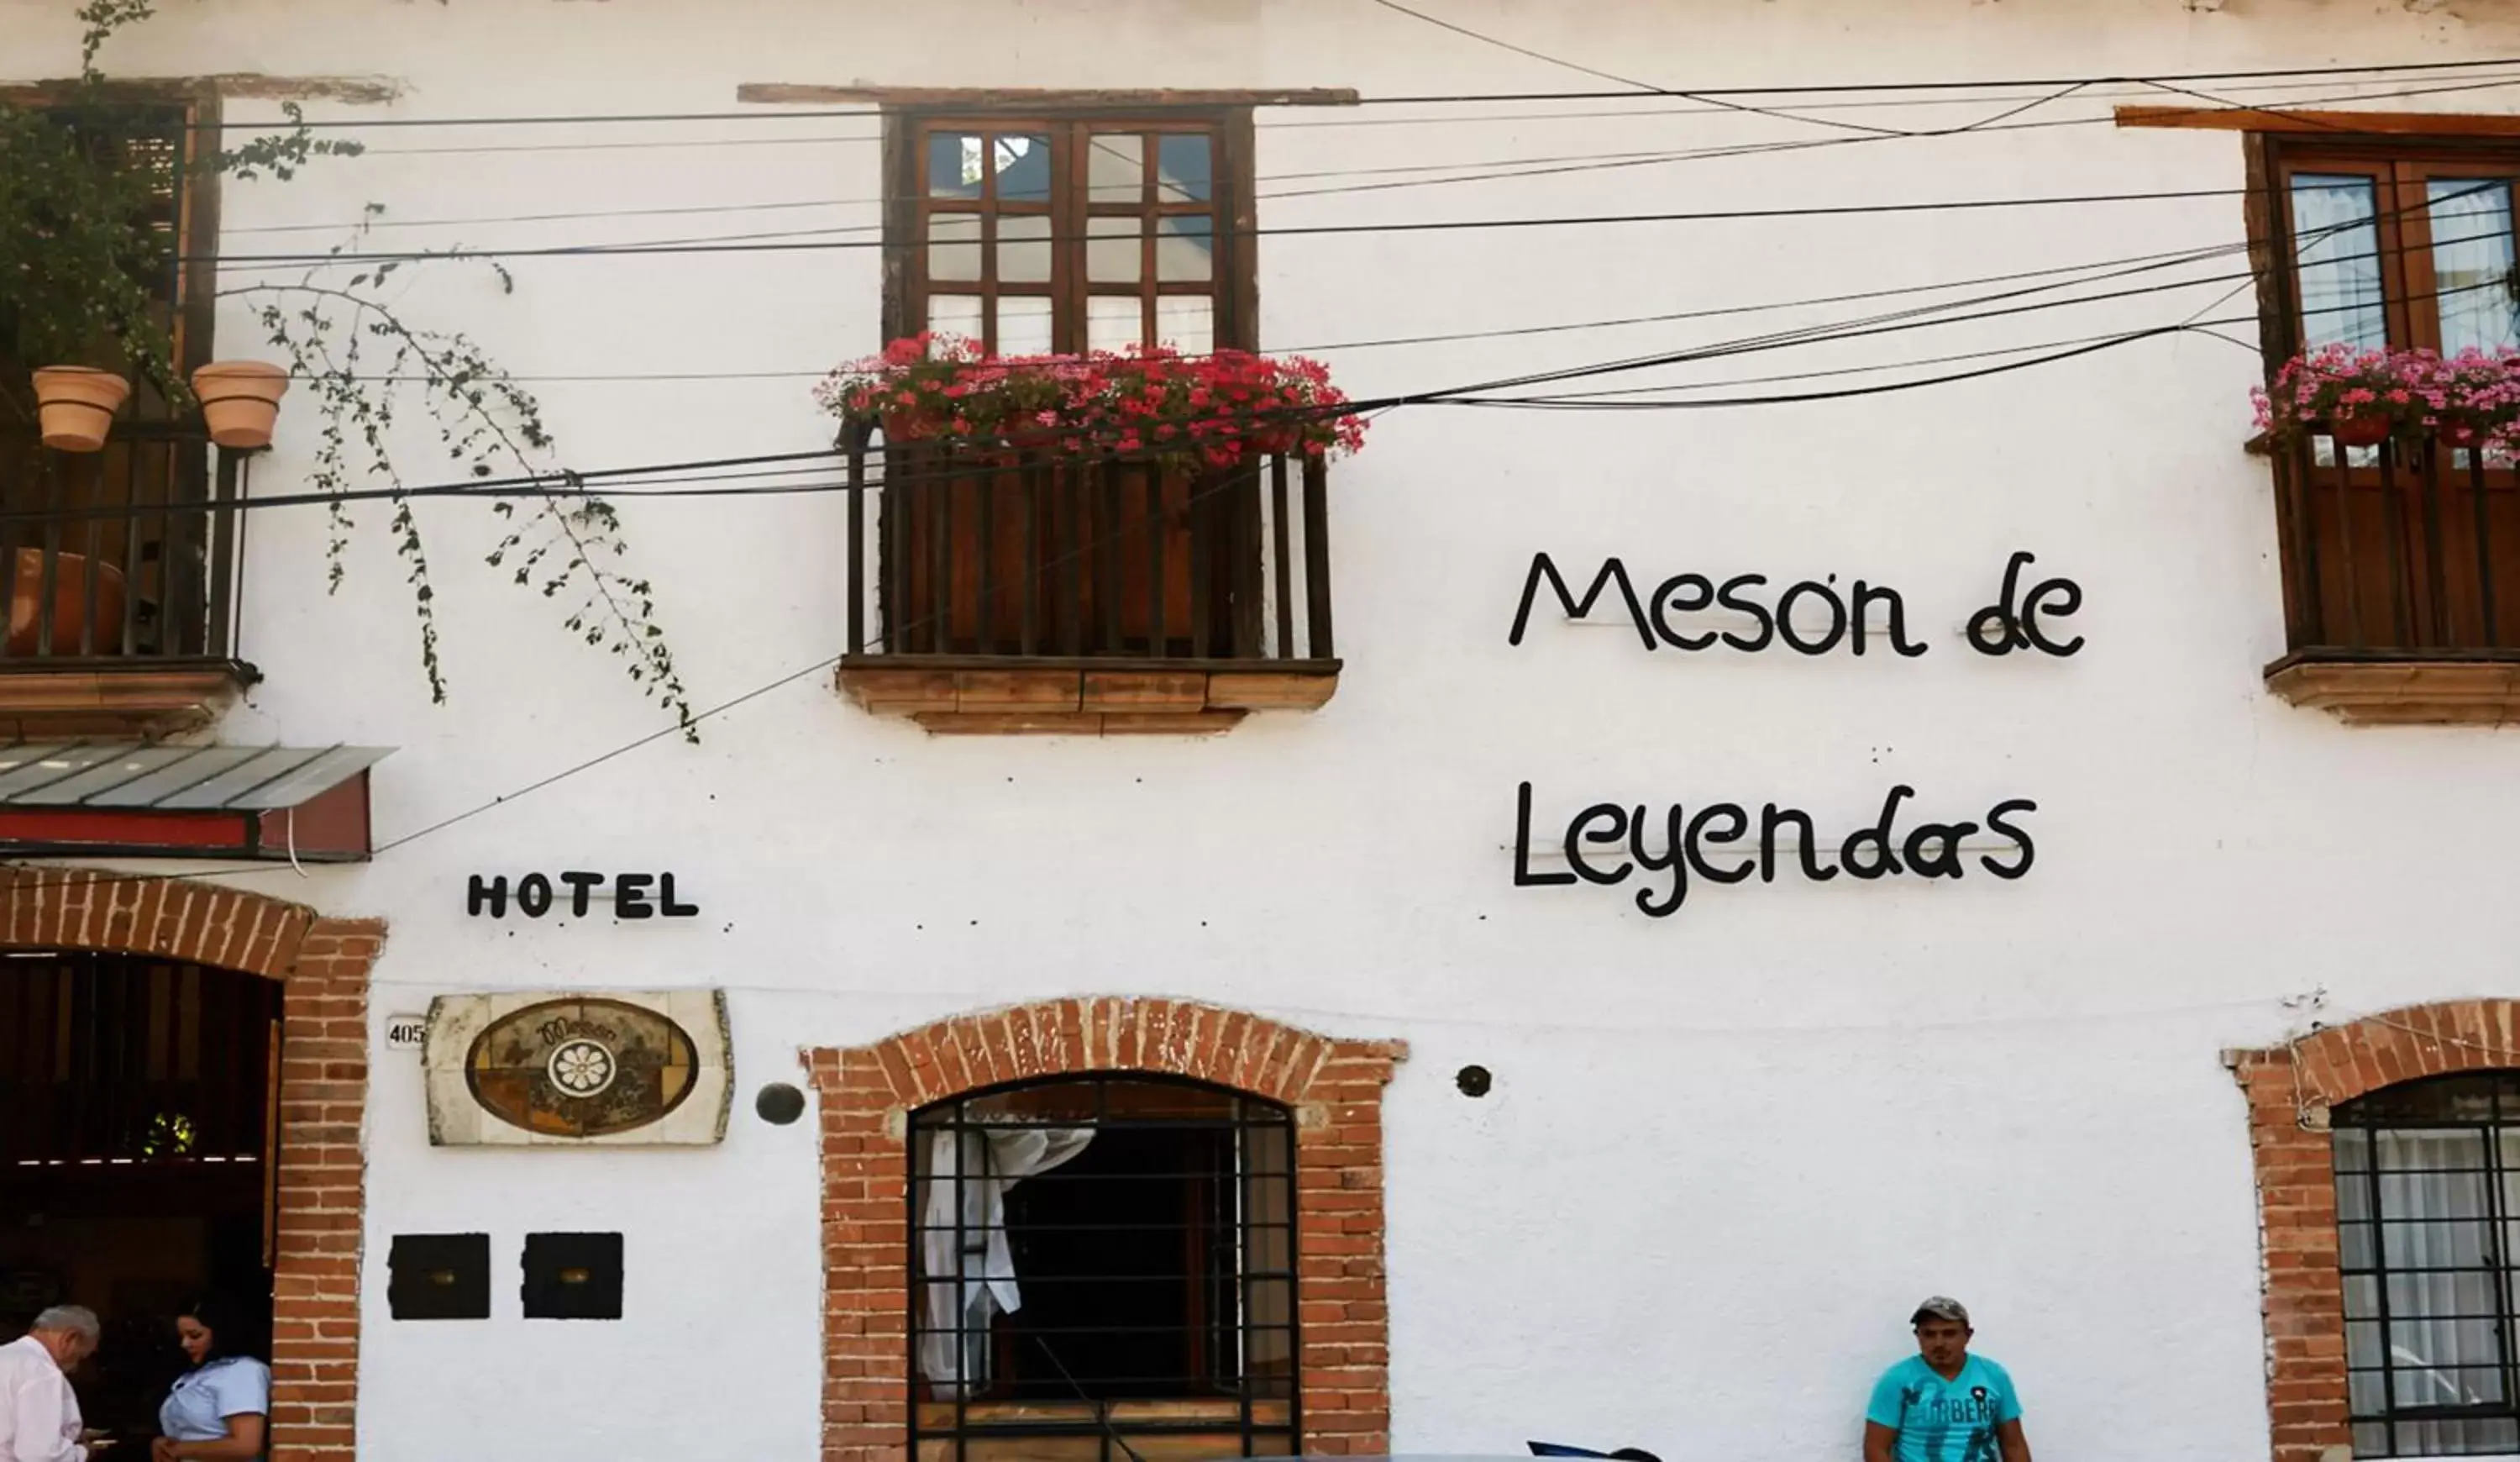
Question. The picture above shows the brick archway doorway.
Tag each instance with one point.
(148, 1027)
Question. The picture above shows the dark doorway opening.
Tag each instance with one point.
(137, 1136)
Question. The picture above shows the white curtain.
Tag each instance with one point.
(2335, 222)
(969, 1269)
(2471, 220)
(2442, 1336)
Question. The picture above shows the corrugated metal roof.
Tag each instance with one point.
(175, 779)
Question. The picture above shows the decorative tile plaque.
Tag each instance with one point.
(645, 1068)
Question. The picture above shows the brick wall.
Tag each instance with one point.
(1334, 1086)
(2289, 1091)
(323, 965)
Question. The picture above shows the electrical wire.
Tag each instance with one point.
(2361, 94)
(1463, 396)
(670, 480)
(1419, 226)
(1541, 55)
(2198, 253)
(1445, 99)
(1466, 172)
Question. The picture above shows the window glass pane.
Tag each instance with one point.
(2459, 1354)
(2366, 1394)
(1024, 248)
(2432, 1195)
(2452, 1148)
(1023, 167)
(2361, 1297)
(2362, 1344)
(1116, 168)
(2370, 1439)
(2353, 1150)
(2433, 1245)
(1187, 323)
(1113, 322)
(2432, 1296)
(1183, 172)
(957, 315)
(954, 245)
(1023, 325)
(2354, 1248)
(2353, 1197)
(2483, 1436)
(953, 165)
(2435, 1100)
(2337, 245)
(2471, 219)
(1185, 248)
(1113, 250)
(2419, 1382)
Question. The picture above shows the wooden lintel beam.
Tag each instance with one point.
(2294, 119)
(1037, 97)
(243, 86)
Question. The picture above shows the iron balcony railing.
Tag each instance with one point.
(2404, 550)
(955, 553)
(119, 557)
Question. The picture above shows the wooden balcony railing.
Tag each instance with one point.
(121, 571)
(1067, 596)
(2402, 581)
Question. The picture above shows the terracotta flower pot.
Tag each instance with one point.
(910, 426)
(69, 605)
(2359, 430)
(76, 405)
(241, 400)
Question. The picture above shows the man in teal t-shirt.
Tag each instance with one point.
(1943, 1405)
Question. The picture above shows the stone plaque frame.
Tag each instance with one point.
(578, 1069)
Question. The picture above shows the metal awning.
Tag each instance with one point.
(307, 803)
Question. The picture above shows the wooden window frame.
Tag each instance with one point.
(1234, 288)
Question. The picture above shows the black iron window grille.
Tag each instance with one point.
(2428, 1230)
(1100, 1259)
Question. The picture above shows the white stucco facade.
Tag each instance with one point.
(1726, 1150)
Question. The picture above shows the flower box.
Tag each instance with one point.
(1149, 404)
(2363, 398)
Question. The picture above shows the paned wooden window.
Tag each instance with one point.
(1035, 234)
(2391, 247)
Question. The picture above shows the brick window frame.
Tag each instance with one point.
(866, 1095)
(323, 965)
(2290, 1089)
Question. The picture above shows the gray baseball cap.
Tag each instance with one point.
(1940, 1307)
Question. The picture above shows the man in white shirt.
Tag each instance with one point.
(39, 1413)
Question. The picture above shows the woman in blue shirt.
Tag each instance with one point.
(219, 1411)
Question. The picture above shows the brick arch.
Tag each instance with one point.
(1335, 1086)
(2290, 1089)
(323, 966)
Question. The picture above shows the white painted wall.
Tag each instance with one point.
(1725, 1150)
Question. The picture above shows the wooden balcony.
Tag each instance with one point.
(1022, 593)
(119, 569)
